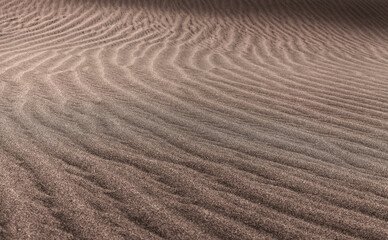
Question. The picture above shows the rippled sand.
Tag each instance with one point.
(194, 119)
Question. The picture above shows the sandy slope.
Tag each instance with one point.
(194, 119)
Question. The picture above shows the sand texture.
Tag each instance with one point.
(193, 119)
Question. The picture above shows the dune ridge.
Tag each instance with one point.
(200, 119)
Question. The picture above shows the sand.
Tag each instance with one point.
(194, 119)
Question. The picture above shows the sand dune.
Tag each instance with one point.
(194, 119)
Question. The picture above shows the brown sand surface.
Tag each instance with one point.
(194, 119)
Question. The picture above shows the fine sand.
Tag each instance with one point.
(194, 119)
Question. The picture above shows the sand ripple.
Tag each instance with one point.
(194, 119)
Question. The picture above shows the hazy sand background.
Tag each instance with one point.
(194, 119)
